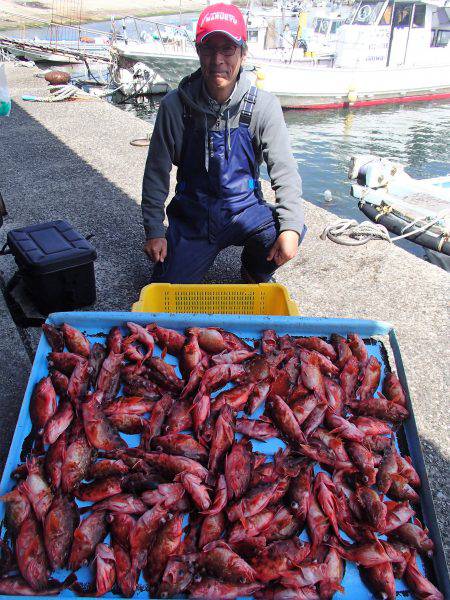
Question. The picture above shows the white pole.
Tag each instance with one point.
(411, 20)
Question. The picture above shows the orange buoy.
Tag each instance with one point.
(57, 77)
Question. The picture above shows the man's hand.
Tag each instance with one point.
(285, 248)
(156, 249)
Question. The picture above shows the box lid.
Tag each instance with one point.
(49, 247)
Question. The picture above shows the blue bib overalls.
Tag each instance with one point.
(217, 204)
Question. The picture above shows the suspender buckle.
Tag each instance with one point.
(249, 105)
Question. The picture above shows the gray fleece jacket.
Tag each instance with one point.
(270, 142)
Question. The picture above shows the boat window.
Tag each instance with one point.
(321, 26)
(402, 15)
(368, 13)
(419, 15)
(387, 15)
(350, 19)
(442, 38)
(335, 26)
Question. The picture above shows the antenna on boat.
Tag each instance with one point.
(124, 31)
(301, 23)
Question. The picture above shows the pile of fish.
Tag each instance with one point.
(337, 473)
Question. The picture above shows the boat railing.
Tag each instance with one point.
(169, 37)
(56, 33)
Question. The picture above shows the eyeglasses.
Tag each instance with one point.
(227, 50)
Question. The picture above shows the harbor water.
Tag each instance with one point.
(417, 135)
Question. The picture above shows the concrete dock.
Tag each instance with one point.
(74, 160)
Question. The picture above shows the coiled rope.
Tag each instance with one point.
(58, 93)
(349, 232)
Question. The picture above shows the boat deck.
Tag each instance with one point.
(427, 201)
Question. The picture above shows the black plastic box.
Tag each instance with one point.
(56, 264)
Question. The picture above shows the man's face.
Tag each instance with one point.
(220, 61)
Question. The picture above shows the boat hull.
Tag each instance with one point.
(335, 103)
(42, 56)
(55, 53)
(323, 88)
(418, 209)
(172, 67)
(396, 225)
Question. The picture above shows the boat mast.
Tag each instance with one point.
(302, 21)
(248, 10)
(296, 38)
(391, 36)
(411, 21)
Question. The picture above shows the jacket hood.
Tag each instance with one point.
(191, 92)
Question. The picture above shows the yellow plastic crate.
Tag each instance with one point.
(239, 299)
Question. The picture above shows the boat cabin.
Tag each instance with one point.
(390, 33)
(441, 28)
(321, 37)
(327, 25)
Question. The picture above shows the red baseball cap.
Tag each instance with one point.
(221, 18)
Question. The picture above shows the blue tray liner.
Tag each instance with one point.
(97, 325)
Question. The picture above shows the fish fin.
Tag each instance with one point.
(336, 587)
(265, 418)
(129, 340)
(69, 581)
(244, 522)
(147, 356)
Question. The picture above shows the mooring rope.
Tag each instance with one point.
(58, 93)
(349, 232)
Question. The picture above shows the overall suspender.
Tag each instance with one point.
(249, 105)
(244, 119)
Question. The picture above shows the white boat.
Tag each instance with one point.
(170, 49)
(66, 52)
(167, 49)
(419, 208)
(388, 52)
(274, 36)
